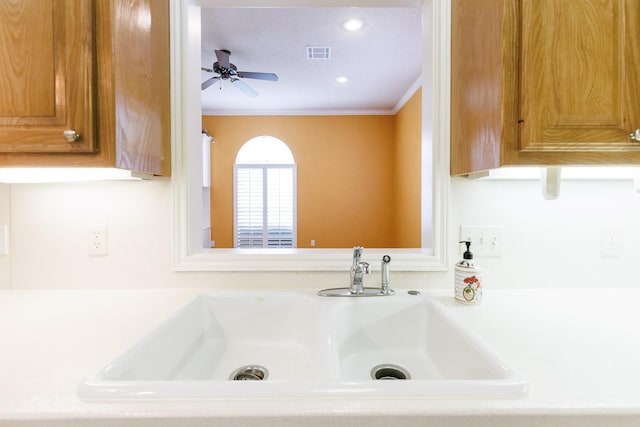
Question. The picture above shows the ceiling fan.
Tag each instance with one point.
(228, 71)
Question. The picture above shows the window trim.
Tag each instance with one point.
(188, 254)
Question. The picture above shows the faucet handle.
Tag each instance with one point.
(357, 253)
(365, 267)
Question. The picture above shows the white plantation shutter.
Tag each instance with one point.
(265, 205)
(249, 207)
(280, 208)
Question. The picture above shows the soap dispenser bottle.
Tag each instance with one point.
(468, 279)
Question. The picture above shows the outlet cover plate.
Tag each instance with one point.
(97, 240)
(4, 239)
(610, 242)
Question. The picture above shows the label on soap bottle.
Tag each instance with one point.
(468, 285)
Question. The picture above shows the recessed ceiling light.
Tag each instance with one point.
(353, 24)
(341, 79)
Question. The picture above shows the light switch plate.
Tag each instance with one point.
(485, 240)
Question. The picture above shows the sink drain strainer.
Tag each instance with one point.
(388, 371)
(250, 373)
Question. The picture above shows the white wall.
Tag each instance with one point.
(546, 243)
(50, 227)
(553, 243)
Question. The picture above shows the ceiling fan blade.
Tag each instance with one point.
(260, 76)
(223, 57)
(208, 70)
(209, 82)
(244, 88)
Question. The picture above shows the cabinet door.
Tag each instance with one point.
(484, 75)
(142, 85)
(47, 75)
(579, 77)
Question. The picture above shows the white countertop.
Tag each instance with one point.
(578, 348)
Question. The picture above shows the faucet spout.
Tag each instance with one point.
(358, 270)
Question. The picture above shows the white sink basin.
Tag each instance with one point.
(415, 338)
(297, 344)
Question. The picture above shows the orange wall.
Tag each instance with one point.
(408, 171)
(358, 177)
(344, 169)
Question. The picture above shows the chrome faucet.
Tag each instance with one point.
(356, 285)
(358, 270)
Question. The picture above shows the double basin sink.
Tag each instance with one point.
(288, 344)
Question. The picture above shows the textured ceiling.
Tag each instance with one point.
(382, 61)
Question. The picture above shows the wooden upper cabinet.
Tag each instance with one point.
(483, 83)
(142, 85)
(122, 64)
(561, 86)
(47, 75)
(580, 73)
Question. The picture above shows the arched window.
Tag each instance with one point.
(264, 195)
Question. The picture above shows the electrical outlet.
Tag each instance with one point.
(610, 242)
(485, 240)
(98, 240)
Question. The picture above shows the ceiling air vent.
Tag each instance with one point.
(318, 52)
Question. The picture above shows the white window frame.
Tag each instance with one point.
(189, 255)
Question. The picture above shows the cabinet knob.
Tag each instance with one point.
(635, 136)
(71, 135)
